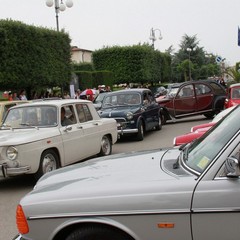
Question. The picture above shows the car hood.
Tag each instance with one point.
(19, 136)
(118, 111)
(133, 180)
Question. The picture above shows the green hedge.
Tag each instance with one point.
(33, 56)
(91, 79)
(135, 64)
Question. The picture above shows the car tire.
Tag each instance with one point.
(49, 161)
(97, 233)
(164, 119)
(140, 134)
(209, 115)
(159, 126)
(106, 146)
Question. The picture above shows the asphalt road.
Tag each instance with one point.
(13, 189)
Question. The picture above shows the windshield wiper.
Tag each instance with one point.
(24, 124)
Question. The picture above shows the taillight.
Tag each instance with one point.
(21, 221)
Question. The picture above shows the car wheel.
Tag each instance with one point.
(49, 161)
(164, 118)
(97, 233)
(209, 115)
(140, 134)
(159, 126)
(106, 146)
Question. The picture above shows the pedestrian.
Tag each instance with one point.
(77, 94)
(222, 82)
(10, 98)
(22, 95)
(15, 97)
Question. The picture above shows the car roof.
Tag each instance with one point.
(58, 102)
(235, 85)
(131, 90)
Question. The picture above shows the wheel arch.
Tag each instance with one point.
(56, 151)
(69, 227)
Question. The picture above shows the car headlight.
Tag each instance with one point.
(129, 115)
(12, 153)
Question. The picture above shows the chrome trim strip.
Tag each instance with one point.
(98, 214)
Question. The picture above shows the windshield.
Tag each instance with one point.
(201, 152)
(99, 98)
(172, 92)
(37, 116)
(122, 99)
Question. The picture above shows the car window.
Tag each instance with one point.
(30, 116)
(134, 99)
(186, 91)
(5, 109)
(202, 89)
(236, 93)
(68, 115)
(83, 113)
(202, 151)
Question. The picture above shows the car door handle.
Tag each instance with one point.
(95, 123)
(67, 128)
(79, 127)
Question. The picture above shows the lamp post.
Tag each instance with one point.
(153, 37)
(189, 50)
(208, 57)
(59, 7)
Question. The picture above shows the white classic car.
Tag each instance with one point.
(191, 193)
(42, 136)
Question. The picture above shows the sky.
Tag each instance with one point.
(94, 24)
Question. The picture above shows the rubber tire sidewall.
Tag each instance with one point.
(40, 172)
(102, 153)
(140, 134)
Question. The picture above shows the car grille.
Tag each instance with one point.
(121, 122)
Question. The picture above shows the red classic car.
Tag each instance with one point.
(233, 95)
(192, 98)
(198, 130)
(189, 137)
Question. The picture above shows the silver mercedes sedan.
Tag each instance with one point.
(190, 193)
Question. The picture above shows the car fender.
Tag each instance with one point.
(81, 222)
(218, 103)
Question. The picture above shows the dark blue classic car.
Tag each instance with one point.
(135, 111)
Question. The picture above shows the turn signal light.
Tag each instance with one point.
(21, 221)
(166, 225)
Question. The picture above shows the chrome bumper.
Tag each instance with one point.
(127, 131)
(18, 237)
(7, 172)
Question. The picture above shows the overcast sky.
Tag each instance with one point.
(93, 24)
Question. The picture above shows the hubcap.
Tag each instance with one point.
(49, 163)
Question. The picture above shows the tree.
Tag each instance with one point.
(234, 72)
(192, 57)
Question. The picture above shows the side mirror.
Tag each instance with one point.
(232, 167)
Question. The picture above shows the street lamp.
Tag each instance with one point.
(153, 37)
(59, 7)
(189, 50)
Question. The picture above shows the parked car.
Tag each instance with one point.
(198, 130)
(5, 105)
(233, 95)
(135, 111)
(192, 98)
(35, 138)
(178, 193)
